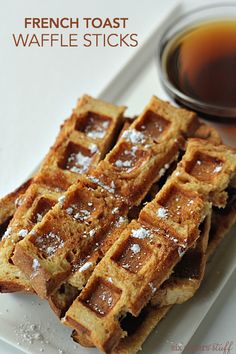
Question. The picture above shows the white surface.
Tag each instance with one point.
(26, 148)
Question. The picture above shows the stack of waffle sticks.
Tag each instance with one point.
(118, 223)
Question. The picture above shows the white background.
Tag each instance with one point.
(39, 87)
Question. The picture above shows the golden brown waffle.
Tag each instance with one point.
(208, 168)
(8, 205)
(97, 205)
(83, 140)
(188, 273)
(179, 208)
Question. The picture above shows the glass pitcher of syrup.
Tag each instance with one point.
(197, 65)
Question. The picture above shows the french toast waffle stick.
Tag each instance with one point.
(99, 203)
(83, 140)
(188, 273)
(134, 267)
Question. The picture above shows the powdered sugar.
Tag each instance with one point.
(81, 162)
(23, 233)
(82, 215)
(61, 199)
(98, 131)
(134, 136)
(115, 210)
(39, 217)
(110, 189)
(69, 210)
(162, 213)
(181, 251)
(19, 201)
(121, 220)
(140, 233)
(135, 248)
(92, 233)
(120, 163)
(49, 243)
(86, 266)
(93, 148)
(29, 333)
(153, 288)
(217, 169)
(35, 267)
(7, 233)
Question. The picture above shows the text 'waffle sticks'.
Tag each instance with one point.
(98, 204)
(147, 251)
(83, 141)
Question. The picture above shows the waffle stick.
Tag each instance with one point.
(8, 205)
(83, 140)
(188, 273)
(63, 297)
(97, 205)
(102, 303)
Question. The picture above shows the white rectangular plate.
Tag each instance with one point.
(28, 323)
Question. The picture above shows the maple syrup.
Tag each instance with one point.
(201, 63)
